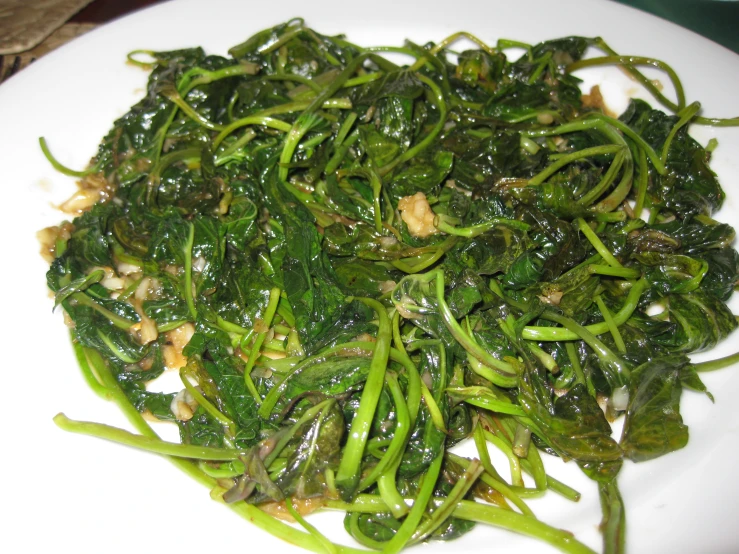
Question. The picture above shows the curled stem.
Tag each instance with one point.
(619, 318)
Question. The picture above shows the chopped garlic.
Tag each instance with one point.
(113, 283)
(81, 201)
(544, 118)
(417, 214)
(183, 405)
(142, 291)
(303, 506)
(148, 331)
(49, 237)
(407, 314)
(386, 286)
(552, 297)
(125, 268)
(620, 398)
(388, 242)
(93, 188)
(198, 264)
(177, 339)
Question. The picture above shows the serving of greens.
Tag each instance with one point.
(355, 265)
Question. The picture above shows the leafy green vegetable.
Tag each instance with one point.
(354, 266)
(653, 425)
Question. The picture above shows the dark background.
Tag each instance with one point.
(714, 19)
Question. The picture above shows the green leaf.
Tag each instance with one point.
(653, 425)
(316, 448)
(238, 403)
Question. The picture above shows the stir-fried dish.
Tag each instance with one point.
(355, 265)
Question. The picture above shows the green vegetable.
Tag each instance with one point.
(355, 266)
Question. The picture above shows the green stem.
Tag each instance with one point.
(411, 521)
(454, 37)
(612, 327)
(302, 125)
(494, 483)
(613, 524)
(558, 333)
(484, 397)
(276, 527)
(227, 470)
(421, 262)
(269, 314)
(91, 378)
(643, 146)
(428, 137)
(285, 311)
(432, 406)
(441, 223)
(187, 250)
(346, 127)
(205, 403)
(618, 194)
(518, 523)
(186, 155)
(363, 79)
(81, 299)
(149, 444)
(344, 349)
(502, 373)
(597, 243)
(630, 62)
(348, 474)
(176, 98)
(63, 169)
(608, 217)
(544, 357)
(654, 91)
(685, 115)
(309, 83)
(448, 505)
(513, 460)
(117, 352)
(256, 119)
(310, 414)
(341, 151)
(388, 491)
(470, 510)
(719, 363)
(552, 168)
(204, 76)
(563, 490)
(593, 194)
(247, 511)
(611, 271)
(232, 327)
(535, 467)
(478, 435)
(613, 366)
(575, 362)
(641, 193)
(328, 546)
(242, 141)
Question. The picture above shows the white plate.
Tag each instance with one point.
(76, 494)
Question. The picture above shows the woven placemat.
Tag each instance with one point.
(26, 23)
(11, 64)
